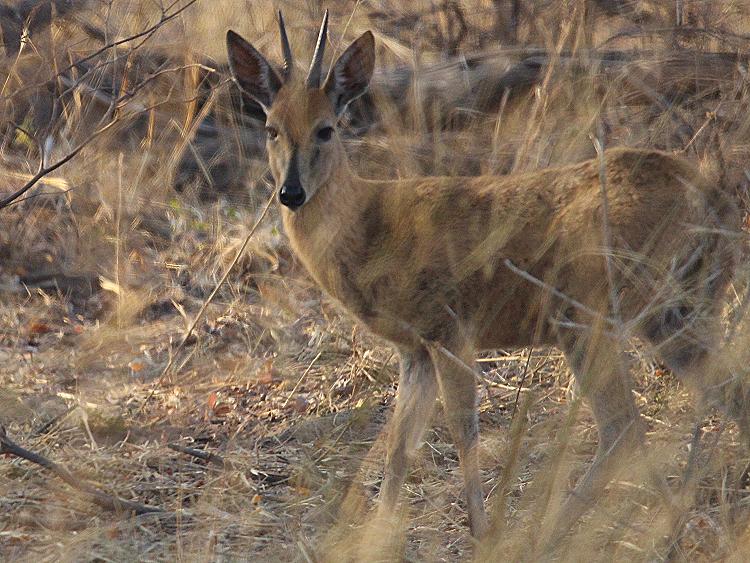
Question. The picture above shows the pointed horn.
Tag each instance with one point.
(285, 48)
(313, 77)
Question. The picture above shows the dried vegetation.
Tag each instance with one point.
(142, 172)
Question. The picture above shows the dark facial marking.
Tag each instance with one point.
(314, 157)
(372, 221)
(292, 194)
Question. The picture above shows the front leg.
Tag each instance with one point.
(417, 390)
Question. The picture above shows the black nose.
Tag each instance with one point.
(291, 195)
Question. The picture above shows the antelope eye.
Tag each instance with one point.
(271, 133)
(324, 134)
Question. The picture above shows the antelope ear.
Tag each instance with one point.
(251, 71)
(351, 73)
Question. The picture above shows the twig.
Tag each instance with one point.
(299, 381)
(44, 428)
(606, 230)
(200, 454)
(557, 293)
(255, 474)
(210, 298)
(521, 382)
(94, 495)
(147, 33)
(40, 194)
(710, 117)
(44, 170)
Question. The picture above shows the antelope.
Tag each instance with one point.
(635, 242)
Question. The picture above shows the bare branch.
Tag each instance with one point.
(44, 170)
(557, 293)
(145, 35)
(200, 454)
(94, 495)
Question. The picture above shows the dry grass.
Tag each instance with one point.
(100, 283)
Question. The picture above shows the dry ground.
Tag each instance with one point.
(100, 283)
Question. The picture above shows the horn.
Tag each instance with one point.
(285, 48)
(313, 76)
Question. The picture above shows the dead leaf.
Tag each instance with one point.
(39, 327)
(267, 373)
(212, 400)
(222, 409)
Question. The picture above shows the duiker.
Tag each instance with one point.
(635, 243)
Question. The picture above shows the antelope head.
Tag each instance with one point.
(304, 149)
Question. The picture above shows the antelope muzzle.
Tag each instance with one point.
(292, 196)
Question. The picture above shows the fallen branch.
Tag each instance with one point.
(92, 494)
(201, 454)
(255, 475)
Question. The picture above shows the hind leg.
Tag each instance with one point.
(686, 338)
(683, 325)
(597, 363)
(458, 392)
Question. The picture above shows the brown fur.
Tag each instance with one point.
(419, 258)
(442, 267)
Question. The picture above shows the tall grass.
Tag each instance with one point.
(99, 286)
